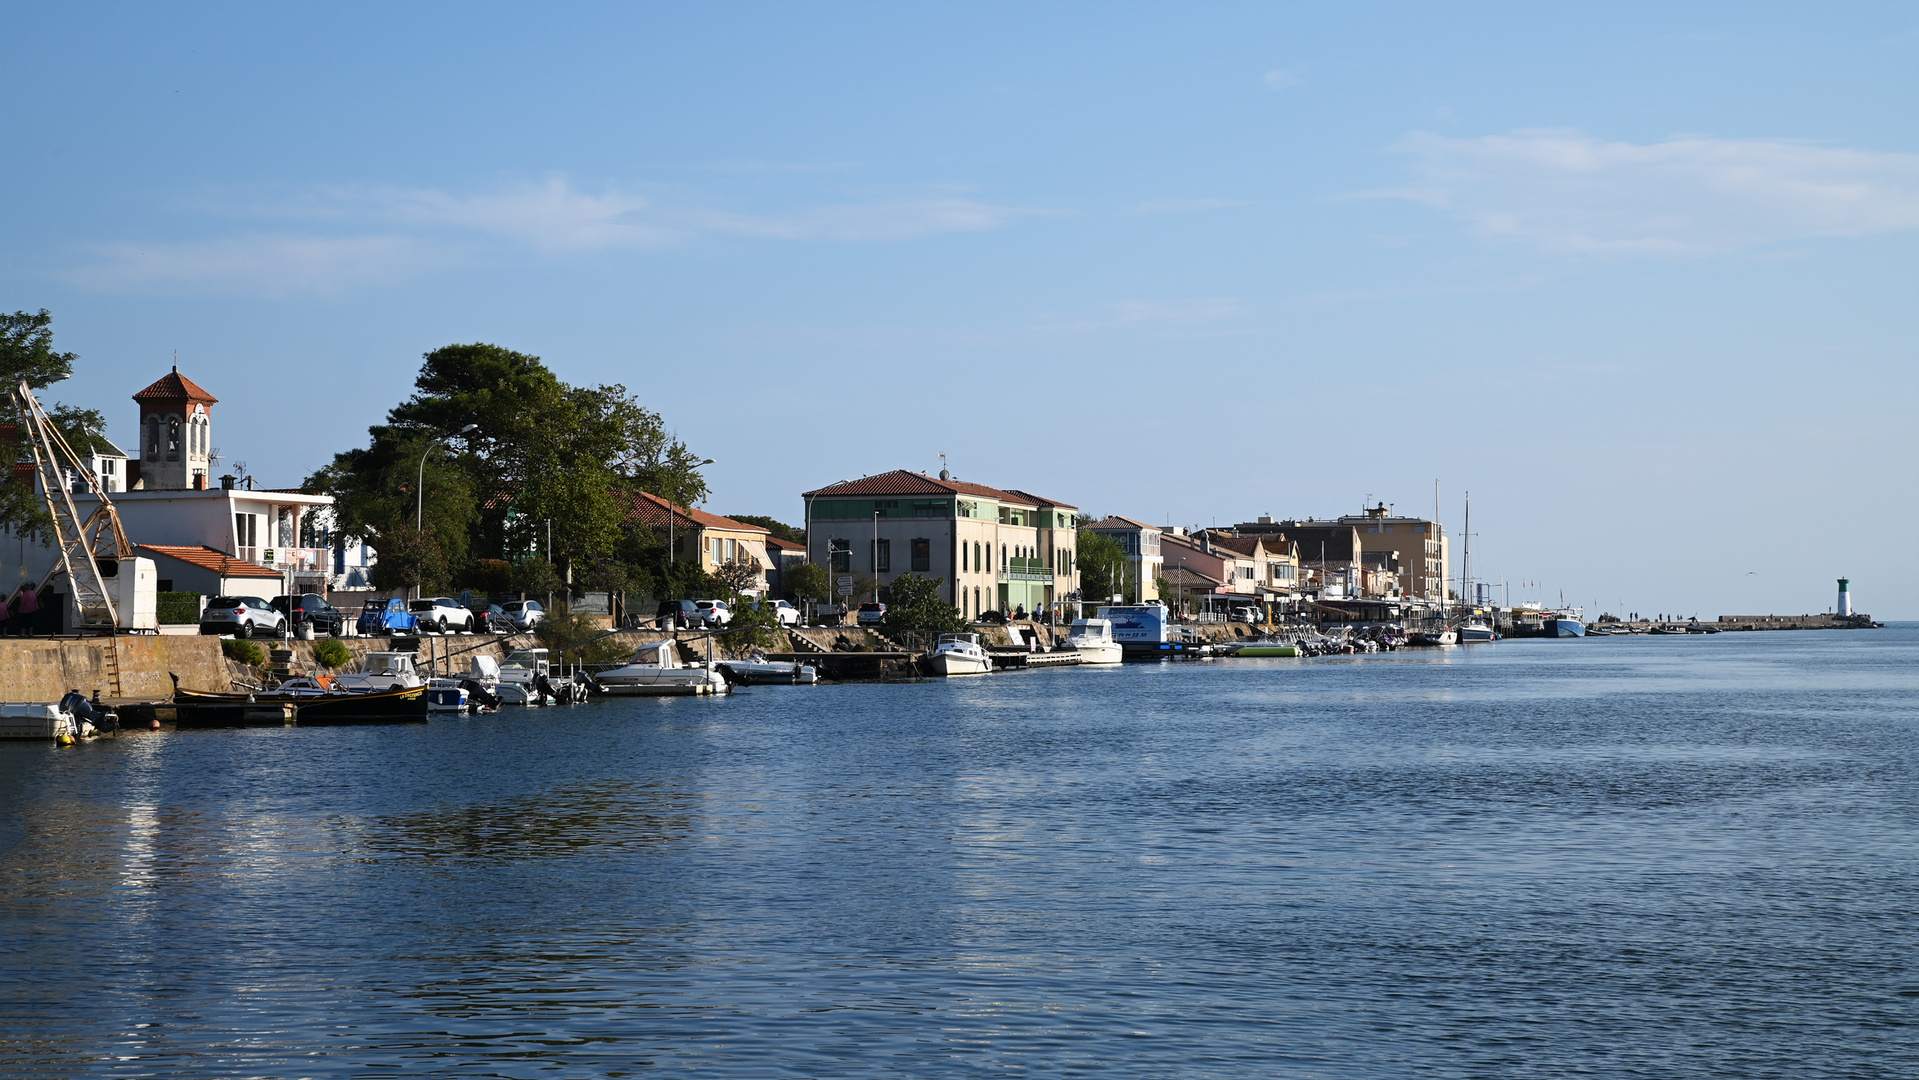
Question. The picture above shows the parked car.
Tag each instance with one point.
(311, 608)
(714, 613)
(992, 618)
(678, 615)
(489, 618)
(830, 614)
(524, 614)
(441, 614)
(241, 616)
(787, 614)
(386, 616)
(871, 614)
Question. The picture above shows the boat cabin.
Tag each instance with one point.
(387, 663)
(524, 664)
(1091, 630)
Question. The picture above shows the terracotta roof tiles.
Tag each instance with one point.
(174, 386)
(212, 559)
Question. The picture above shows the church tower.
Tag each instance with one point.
(176, 434)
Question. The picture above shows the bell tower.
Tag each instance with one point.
(176, 434)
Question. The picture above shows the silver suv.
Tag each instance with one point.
(241, 616)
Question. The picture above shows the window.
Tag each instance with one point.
(842, 556)
(922, 555)
(173, 438)
(1389, 528)
(964, 563)
(1002, 556)
(246, 530)
(976, 562)
(882, 556)
(153, 438)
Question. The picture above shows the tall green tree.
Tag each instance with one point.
(914, 606)
(1102, 566)
(27, 355)
(543, 459)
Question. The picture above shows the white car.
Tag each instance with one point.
(716, 612)
(787, 613)
(440, 614)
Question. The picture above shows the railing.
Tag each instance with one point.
(1026, 570)
(317, 560)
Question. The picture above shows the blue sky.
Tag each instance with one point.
(1639, 277)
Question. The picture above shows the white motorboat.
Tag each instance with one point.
(656, 671)
(959, 654)
(380, 671)
(757, 670)
(1477, 631)
(1093, 640)
(520, 673)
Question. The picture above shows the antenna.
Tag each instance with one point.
(213, 458)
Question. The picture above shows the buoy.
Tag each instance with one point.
(153, 725)
(64, 739)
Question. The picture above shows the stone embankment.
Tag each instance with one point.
(44, 669)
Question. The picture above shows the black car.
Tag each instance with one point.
(490, 618)
(678, 615)
(310, 608)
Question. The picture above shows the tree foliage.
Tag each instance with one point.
(27, 355)
(914, 605)
(779, 529)
(1102, 566)
(543, 459)
(807, 581)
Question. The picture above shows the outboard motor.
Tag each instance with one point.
(477, 694)
(76, 705)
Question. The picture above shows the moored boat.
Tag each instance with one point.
(757, 670)
(1093, 640)
(655, 670)
(959, 654)
(381, 671)
(1477, 631)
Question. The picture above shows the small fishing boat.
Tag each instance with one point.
(523, 678)
(1477, 631)
(959, 654)
(446, 696)
(381, 671)
(656, 671)
(1093, 640)
(757, 670)
(202, 708)
(1268, 648)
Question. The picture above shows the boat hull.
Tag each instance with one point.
(1477, 633)
(953, 663)
(1103, 652)
(196, 708)
(1267, 650)
(1565, 628)
(769, 673)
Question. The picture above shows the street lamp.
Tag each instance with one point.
(419, 486)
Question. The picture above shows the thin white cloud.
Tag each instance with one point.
(1283, 77)
(1177, 311)
(1563, 191)
(266, 265)
(1185, 206)
(899, 220)
(407, 231)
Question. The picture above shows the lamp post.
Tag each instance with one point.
(419, 485)
(670, 511)
(876, 556)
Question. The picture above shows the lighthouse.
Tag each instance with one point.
(1845, 598)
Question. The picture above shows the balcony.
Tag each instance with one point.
(1026, 570)
(298, 559)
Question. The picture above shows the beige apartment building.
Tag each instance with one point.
(1420, 543)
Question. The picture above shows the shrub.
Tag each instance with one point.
(178, 608)
(245, 652)
(564, 637)
(332, 653)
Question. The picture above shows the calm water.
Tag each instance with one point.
(1655, 857)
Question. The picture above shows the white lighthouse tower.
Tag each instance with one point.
(1845, 598)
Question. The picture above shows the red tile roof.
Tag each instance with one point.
(211, 559)
(1118, 522)
(1030, 497)
(647, 509)
(174, 386)
(902, 482)
(778, 544)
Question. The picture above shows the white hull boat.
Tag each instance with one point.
(445, 695)
(959, 654)
(518, 674)
(380, 671)
(655, 671)
(1093, 640)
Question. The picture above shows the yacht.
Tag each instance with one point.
(1477, 631)
(381, 671)
(959, 654)
(656, 671)
(1093, 640)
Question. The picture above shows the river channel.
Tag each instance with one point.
(1645, 857)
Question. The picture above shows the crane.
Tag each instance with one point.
(91, 551)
